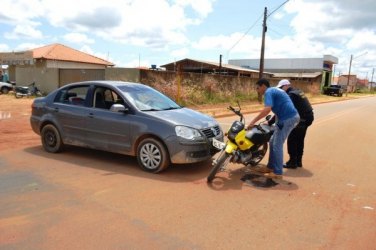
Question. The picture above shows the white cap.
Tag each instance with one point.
(283, 82)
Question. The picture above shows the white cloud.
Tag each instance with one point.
(349, 26)
(4, 47)
(87, 49)
(362, 40)
(28, 46)
(14, 11)
(180, 53)
(134, 22)
(136, 63)
(202, 7)
(24, 31)
(78, 38)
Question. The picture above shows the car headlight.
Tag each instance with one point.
(188, 133)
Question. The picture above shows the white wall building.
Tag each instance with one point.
(293, 67)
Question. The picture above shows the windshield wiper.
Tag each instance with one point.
(170, 108)
(151, 109)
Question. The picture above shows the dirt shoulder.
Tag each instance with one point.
(220, 110)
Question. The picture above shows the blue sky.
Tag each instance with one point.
(132, 33)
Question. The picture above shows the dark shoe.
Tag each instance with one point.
(299, 162)
(291, 165)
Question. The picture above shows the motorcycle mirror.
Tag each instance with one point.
(238, 104)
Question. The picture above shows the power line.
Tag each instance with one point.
(253, 25)
(271, 13)
(248, 30)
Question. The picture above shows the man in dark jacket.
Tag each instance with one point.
(295, 141)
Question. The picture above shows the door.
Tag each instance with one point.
(69, 112)
(105, 129)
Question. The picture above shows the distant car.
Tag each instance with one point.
(5, 87)
(126, 118)
(333, 90)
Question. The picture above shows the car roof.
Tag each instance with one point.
(106, 83)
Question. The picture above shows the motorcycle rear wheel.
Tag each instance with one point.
(220, 161)
(259, 154)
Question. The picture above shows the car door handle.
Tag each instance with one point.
(91, 115)
(56, 110)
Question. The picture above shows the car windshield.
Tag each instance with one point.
(148, 99)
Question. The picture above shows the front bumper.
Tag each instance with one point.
(185, 152)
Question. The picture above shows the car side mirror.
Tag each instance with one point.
(119, 108)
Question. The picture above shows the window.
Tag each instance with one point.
(73, 96)
(104, 98)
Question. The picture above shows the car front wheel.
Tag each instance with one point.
(152, 155)
(4, 90)
(51, 139)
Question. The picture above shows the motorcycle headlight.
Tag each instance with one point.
(188, 133)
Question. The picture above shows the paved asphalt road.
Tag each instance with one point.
(84, 199)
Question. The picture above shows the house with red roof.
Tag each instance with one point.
(53, 66)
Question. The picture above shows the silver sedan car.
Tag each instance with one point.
(126, 118)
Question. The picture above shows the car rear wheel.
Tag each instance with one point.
(51, 139)
(152, 155)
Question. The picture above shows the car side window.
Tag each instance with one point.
(72, 96)
(104, 98)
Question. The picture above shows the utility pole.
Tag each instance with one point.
(220, 64)
(348, 76)
(264, 28)
(373, 71)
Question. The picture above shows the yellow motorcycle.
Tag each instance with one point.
(247, 147)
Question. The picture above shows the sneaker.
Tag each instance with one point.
(264, 169)
(273, 176)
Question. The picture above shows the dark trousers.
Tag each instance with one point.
(295, 141)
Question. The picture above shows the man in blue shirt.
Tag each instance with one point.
(287, 117)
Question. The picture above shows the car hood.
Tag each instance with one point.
(186, 117)
(6, 84)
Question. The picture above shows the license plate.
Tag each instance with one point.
(218, 144)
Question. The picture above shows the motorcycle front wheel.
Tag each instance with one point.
(18, 95)
(217, 165)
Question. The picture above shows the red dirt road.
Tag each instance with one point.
(14, 123)
(85, 199)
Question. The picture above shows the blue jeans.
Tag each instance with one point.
(280, 135)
